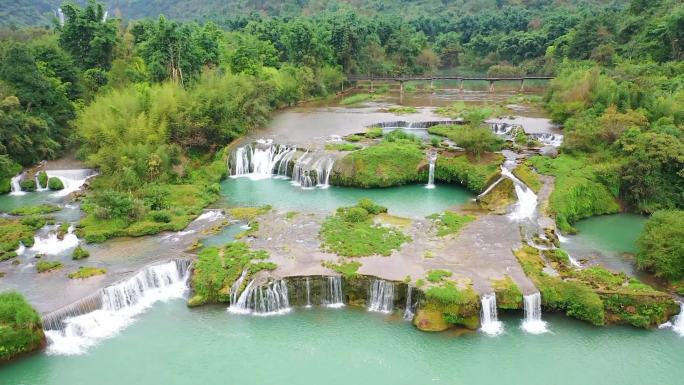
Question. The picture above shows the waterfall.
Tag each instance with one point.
(60, 17)
(104, 17)
(308, 292)
(72, 180)
(555, 140)
(259, 160)
(677, 323)
(235, 288)
(268, 299)
(333, 292)
(21, 249)
(409, 310)
(16, 187)
(73, 329)
(381, 298)
(431, 174)
(526, 206)
(52, 245)
(490, 322)
(533, 322)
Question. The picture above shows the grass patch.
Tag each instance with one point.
(79, 253)
(374, 133)
(248, 214)
(14, 231)
(392, 162)
(402, 110)
(462, 169)
(46, 266)
(348, 269)
(449, 222)
(584, 187)
(528, 176)
(342, 147)
(435, 276)
(20, 330)
(352, 233)
(41, 209)
(357, 99)
(217, 268)
(86, 272)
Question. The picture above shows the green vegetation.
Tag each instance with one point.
(473, 174)
(353, 138)
(508, 294)
(435, 276)
(79, 253)
(46, 266)
(374, 133)
(458, 306)
(583, 187)
(42, 179)
(41, 209)
(28, 185)
(348, 269)
(342, 147)
(20, 330)
(528, 176)
(86, 272)
(449, 222)
(357, 99)
(55, 184)
(661, 245)
(217, 268)
(402, 110)
(396, 160)
(595, 294)
(291, 214)
(474, 139)
(352, 233)
(13, 231)
(248, 214)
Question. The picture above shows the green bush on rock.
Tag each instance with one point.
(458, 306)
(86, 272)
(79, 253)
(20, 330)
(475, 175)
(661, 245)
(46, 266)
(55, 184)
(42, 179)
(352, 233)
(28, 185)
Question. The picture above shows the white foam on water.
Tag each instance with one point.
(72, 180)
(677, 323)
(52, 245)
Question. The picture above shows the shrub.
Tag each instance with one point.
(20, 331)
(372, 207)
(661, 245)
(42, 179)
(55, 183)
(374, 133)
(80, 253)
(86, 272)
(27, 185)
(475, 140)
(437, 275)
(161, 216)
(45, 266)
(474, 175)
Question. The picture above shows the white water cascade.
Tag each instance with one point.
(533, 322)
(259, 161)
(60, 17)
(431, 171)
(308, 292)
(74, 329)
(381, 298)
(235, 288)
(526, 206)
(409, 309)
(333, 292)
(52, 245)
(677, 323)
(271, 298)
(16, 187)
(72, 180)
(490, 321)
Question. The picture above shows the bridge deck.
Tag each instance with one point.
(464, 78)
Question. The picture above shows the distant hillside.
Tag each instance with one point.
(41, 12)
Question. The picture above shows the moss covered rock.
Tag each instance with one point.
(430, 320)
(42, 179)
(20, 330)
(28, 185)
(55, 183)
(473, 174)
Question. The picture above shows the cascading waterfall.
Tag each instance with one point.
(16, 187)
(409, 309)
(526, 206)
(72, 180)
(235, 288)
(308, 292)
(431, 172)
(268, 299)
(677, 323)
(73, 329)
(333, 292)
(52, 245)
(259, 160)
(555, 140)
(533, 322)
(381, 298)
(60, 17)
(489, 319)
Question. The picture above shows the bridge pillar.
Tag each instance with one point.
(371, 86)
(461, 87)
(401, 87)
(522, 85)
(491, 86)
(432, 85)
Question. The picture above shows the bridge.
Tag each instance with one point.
(431, 79)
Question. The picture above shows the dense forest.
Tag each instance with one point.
(151, 102)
